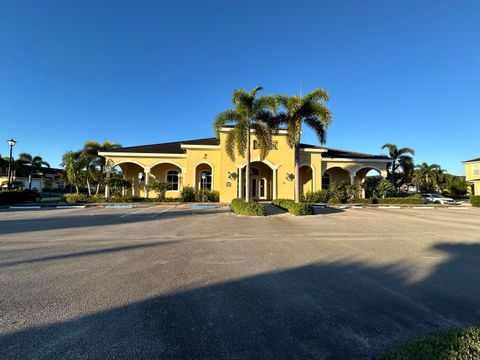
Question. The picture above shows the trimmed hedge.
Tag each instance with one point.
(189, 194)
(18, 197)
(413, 199)
(475, 200)
(241, 207)
(84, 198)
(320, 196)
(452, 344)
(293, 208)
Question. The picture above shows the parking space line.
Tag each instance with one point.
(165, 210)
(136, 212)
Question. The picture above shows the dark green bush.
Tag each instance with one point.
(18, 196)
(293, 208)
(84, 198)
(241, 207)
(207, 196)
(321, 196)
(452, 344)
(187, 194)
(475, 200)
(413, 199)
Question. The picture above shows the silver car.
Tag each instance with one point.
(438, 199)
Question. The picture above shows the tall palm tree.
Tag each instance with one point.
(73, 163)
(399, 157)
(34, 162)
(427, 175)
(249, 113)
(310, 110)
(90, 153)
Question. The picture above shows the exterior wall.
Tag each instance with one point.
(226, 174)
(472, 177)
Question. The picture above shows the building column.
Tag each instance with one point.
(240, 183)
(147, 182)
(352, 179)
(107, 176)
(274, 184)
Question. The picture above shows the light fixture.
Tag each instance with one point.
(11, 143)
(289, 177)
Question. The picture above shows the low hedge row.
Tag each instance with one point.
(84, 198)
(451, 344)
(241, 207)
(293, 208)
(413, 199)
(17, 197)
(475, 200)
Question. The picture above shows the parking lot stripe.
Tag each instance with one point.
(136, 212)
(165, 210)
(423, 207)
(25, 207)
(70, 207)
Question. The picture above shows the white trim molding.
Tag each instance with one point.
(278, 132)
(357, 160)
(136, 154)
(212, 168)
(257, 159)
(313, 150)
(314, 172)
(188, 146)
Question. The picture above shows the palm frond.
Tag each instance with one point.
(224, 118)
(318, 126)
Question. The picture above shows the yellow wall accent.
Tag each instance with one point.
(277, 168)
(472, 175)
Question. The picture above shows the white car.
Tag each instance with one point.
(438, 199)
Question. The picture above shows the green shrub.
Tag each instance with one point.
(413, 199)
(363, 201)
(18, 196)
(321, 196)
(187, 194)
(452, 344)
(241, 207)
(160, 187)
(342, 191)
(207, 196)
(293, 208)
(85, 198)
(475, 200)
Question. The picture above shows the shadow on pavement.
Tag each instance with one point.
(335, 310)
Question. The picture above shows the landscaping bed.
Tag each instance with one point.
(293, 208)
(241, 207)
(452, 344)
(475, 200)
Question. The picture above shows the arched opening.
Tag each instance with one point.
(203, 177)
(366, 179)
(261, 181)
(134, 174)
(170, 173)
(306, 179)
(335, 174)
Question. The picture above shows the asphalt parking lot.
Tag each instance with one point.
(173, 282)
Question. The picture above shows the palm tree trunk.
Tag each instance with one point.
(247, 169)
(297, 173)
(88, 186)
(30, 177)
(100, 178)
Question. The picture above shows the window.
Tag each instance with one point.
(206, 180)
(273, 146)
(476, 169)
(172, 179)
(254, 171)
(326, 181)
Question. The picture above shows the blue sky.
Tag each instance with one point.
(140, 72)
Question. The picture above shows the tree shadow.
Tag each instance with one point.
(108, 250)
(337, 310)
(13, 226)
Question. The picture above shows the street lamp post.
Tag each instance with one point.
(204, 177)
(11, 143)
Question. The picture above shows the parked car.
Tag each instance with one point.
(438, 199)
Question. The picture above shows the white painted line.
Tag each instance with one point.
(389, 207)
(136, 212)
(170, 208)
(71, 207)
(25, 207)
(423, 207)
(458, 208)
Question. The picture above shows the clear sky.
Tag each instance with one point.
(140, 72)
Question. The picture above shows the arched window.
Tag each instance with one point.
(206, 180)
(172, 179)
(326, 181)
(254, 171)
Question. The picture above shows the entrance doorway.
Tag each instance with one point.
(261, 186)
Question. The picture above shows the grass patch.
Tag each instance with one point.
(293, 208)
(241, 207)
(475, 200)
(458, 344)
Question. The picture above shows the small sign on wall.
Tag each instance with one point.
(228, 184)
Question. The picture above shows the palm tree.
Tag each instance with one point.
(34, 162)
(249, 113)
(310, 110)
(73, 163)
(427, 175)
(90, 153)
(399, 158)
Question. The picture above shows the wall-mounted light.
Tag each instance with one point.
(205, 155)
(232, 175)
(289, 177)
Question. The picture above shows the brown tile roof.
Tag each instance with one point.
(476, 159)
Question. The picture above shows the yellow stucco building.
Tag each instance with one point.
(472, 175)
(204, 163)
